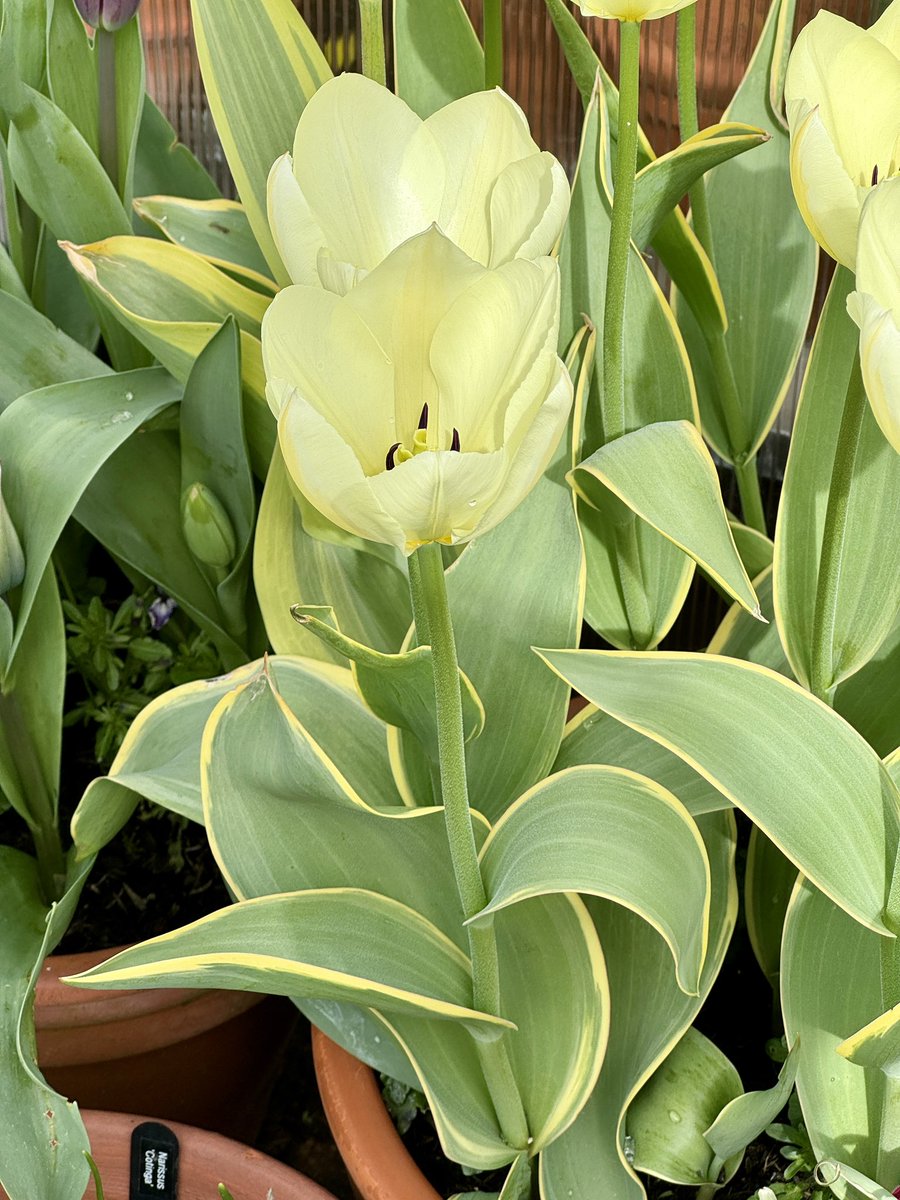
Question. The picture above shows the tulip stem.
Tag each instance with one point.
(726, 391)
(493, 44)
(417, 596)
(371, 20)
(614, 422)
(834, 533)
(493, 1055)
(108, 133)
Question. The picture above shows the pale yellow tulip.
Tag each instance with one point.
(631, 10)
(424, 404)
(367, 173)
(875, 305)
(842, 93)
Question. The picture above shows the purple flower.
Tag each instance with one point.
(107, 14)
(160, 611)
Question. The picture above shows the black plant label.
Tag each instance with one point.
(154, 1163)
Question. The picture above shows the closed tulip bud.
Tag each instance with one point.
(207, 527)
(12, 560)
(108, 15)
(842, 94)
(631, 10)
(875, 305)
(367, 173)
(425, 404)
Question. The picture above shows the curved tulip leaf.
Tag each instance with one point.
(674, 240)
(870, 699)
(72, 70)
(649, 1016)
(768, 883)
(743, 1119)
(660, 184)
(658, 388)
(437, 55)
(217, 230)
(756, 550)
(54, 442)
(863, 607)
(741, 636)
(594, 737)
(369, 593)
(665, 474)
(163, 165)
(386, 955)
(764, 258)
(36, 354)
(587, 830)
(830, 989)
(759, 737)
(668, 1117)
(876, 1045)
(174, 302)
(256, 124)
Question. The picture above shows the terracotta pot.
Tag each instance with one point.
(208, 1058)
(204, 1160)
(373, 1152)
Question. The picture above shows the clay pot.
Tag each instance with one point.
(205, 1160)
(373, 1152)
(208, 1058)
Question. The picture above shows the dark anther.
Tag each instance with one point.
(454, 445)
(423, 419)
(874, 174)
(389, 463)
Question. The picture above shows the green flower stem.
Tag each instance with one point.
(493, 44)
(461, 837)
(620, 233)
(417, 596)
(836, 512)
(372, 23)
(106, 88)
(729, 399)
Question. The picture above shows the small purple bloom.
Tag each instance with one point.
(107, 14)
(160, 611)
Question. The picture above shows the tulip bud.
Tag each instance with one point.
(207, 528)
(108, 15)
(12, 560)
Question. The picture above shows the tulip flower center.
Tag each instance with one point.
(401, 453)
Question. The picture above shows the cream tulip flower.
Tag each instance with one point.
(842, 93)
(367, 174)
(631, 10)
(875, 305)
(425, 404)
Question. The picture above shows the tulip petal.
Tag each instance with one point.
(887, 28)
(825, 194)
(631, 10)
(296, 232)
(879, 349)
(384, 177)
(336, 276)
(440, 496)
(478, 136)
(528, 208)
(488, 343)
(326, 470)
(313, 341)
(878, 249)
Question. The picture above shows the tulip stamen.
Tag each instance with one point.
(875, 175)
(454, 443)
(423, 418)
(389, 463)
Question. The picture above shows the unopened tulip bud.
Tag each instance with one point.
(207, 527)
(12, 560)
(108, 15)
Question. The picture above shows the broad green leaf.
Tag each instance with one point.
(660, 184)
(668, 1117)
(665, 474)
(755, 549)
(22, 55)
(587, 830)
(163, 166)
(10, 279)
(386, 955)
(174, 302)
(649, 1015)
(370, 596)
(35, 353)
(72, 70)
(517, 1185)
(758, 737)
(217, 230)
(594, 737)
(867, 598)
(741, 636)
(764, 258)
(831, 988)
(674, 241)
(768, 883)
(129, 56)
(256, 123)
(437, 55)
(743, 1119)
(398, 688)
(56, 291)
(54, 441)
(42, 1139)
(870, 699)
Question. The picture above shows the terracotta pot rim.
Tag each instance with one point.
(379, 1163)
